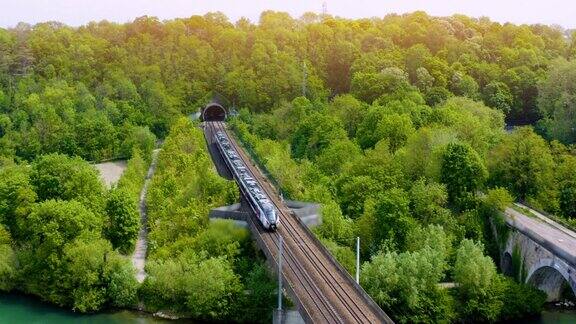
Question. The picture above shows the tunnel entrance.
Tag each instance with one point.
(214, 112)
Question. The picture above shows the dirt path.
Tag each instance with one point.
(139, 256)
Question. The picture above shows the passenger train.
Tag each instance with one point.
(257, 198)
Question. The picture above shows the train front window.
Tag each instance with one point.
(271, 215)
(270, 212)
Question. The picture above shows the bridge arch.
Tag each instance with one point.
(506, 264)
(214, 112)
(552, 278)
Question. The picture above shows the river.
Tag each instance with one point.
(15, 309)
(551, 317)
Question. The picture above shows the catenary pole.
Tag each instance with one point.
(304, 78)
(358, 260)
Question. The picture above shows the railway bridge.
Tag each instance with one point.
(322, 290)
(540, 252)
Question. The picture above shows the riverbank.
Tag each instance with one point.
(549, 317)
(18, 308)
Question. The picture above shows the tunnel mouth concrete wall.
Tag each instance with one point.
(214, 112)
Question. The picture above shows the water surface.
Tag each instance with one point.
(16, 308)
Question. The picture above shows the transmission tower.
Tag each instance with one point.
(324, 8)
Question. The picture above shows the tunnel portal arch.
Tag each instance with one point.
(214, 112)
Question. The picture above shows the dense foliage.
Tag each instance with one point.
(384, 187)
(195, 267)
(94, 91)
(53, 235)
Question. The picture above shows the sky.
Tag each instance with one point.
(79, 12)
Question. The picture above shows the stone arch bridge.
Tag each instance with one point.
(540, 252)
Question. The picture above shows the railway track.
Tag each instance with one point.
(324, 291)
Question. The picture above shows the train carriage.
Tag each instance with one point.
(257, 198)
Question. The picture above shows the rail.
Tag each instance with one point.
(325, 292)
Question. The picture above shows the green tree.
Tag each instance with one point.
(133, 177)
(479, 287)
(202, 289)
(62, 260)
(334, 159)
(57, 176)
(123, 220)
(497, 95)
(521, 300)
(523, 164)
(314, 134)
(422, 154)
(139, 138)
(119, 274)
(335, 226)
(221, 239)
(369, 86)
(8, 261)
(96, 136)
(55, 222)
(395, 129)
(405, 285)
(472, 122)
(353, 192)
(393, 221)
(437, 95)
(80, 276)
(499, 199)
(523, 84)
(257, 306)
(382, 122)
(349, 110)
(464, 85)
(367, 177)
(566, 180)
(428, 202)
(343, 254)
(557, 101)
(432, 237)
(462, 171)
(211, 296)
(16, 196)
(161, 107)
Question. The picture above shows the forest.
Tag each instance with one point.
(403, 127)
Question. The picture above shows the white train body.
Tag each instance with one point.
(257, 198)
